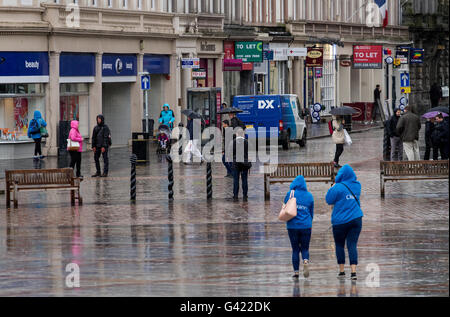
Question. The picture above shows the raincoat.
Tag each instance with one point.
(41, 122)
(167, 117)
(75, 135)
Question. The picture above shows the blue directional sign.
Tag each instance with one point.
(145, 82)
(405, 80)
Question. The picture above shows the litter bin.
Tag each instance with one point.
(141, 146)
(63, 135)
(151, 124)
(348, 123)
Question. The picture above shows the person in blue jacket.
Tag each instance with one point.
(346, 218)
(300, 227)
(34, 132)
(167, 117)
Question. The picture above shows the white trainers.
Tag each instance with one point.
(306, 268)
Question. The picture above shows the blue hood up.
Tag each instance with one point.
(37, 115)
(305, 205)
(346, 207)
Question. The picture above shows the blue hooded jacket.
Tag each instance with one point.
(41, 122)
(346, 208)
(167, 117)
(305, 205)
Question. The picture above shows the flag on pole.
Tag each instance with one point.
(382, 4)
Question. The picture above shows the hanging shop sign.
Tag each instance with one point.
(228, 49)
(403, 55)
(201, 73)
(417, 55)
(319, 72)
(345, 63)
(249, 52)
(297, 52)
(368, 56)
(314, 57)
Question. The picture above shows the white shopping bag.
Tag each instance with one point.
(348, 139)
(188, 148)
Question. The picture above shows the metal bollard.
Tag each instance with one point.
(386, 143)
(170, 174)
(209, 185)
(133, 160)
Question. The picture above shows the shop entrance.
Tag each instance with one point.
(206, 101)
(117, 111)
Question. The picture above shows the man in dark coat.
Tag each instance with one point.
(435, 95)
(236, 122)
(241, 163)
(396, 142)
(440, 138)
(408, 128)
(377, 103)
(101, 141)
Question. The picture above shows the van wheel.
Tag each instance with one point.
(302, 142)
(287, 142)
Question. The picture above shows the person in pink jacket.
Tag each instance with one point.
(75, 156)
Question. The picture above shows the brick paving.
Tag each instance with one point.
(192, 247)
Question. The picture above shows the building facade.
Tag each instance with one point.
(75, 59)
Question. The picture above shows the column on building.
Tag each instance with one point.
(95, 97)
(52, 104)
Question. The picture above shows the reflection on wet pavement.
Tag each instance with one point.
(192, 247)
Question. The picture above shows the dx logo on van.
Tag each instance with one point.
(266, 104)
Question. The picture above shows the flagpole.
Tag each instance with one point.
(354, 13)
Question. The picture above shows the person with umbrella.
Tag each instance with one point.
(440, 138)
(234, 120)
(338, 130)
(191, 149)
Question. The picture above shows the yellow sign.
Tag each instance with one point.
(397, 62)
(406, 90)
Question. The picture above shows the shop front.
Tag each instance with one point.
(158, 66)
(77, 73)
(119, 74)
(23, 76)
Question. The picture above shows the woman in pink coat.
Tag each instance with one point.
(75, 156)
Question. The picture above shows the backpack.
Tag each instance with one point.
(34, 126)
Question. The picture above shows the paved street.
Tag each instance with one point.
(193, 247)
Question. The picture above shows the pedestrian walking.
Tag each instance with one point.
(228, 165)
(377, 103)
(241, 164)
(35, 129)
(192, 147)
(346, 217)
(429, 127)
(408, 128)
(236, 122)
(396, 142)
(440, 138)
(300, 227)
(75, 155)
(338, 138)
(435, 95)
(101, 142)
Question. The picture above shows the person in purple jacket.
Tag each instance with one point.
(300, 227)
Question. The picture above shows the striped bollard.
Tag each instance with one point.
(133, 161)
(170, 175)
(209, 185)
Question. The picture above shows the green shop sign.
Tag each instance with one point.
(249, 52)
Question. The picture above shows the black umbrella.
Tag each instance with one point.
(439, 109)
(343, 111)
(230, 110)
(191, 114)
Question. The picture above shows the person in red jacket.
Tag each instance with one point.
(75, 156)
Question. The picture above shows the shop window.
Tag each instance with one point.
(74, 105)
(18, 102)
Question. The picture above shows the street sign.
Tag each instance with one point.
(145, 82)
(417, 55)
(190, 63)
(404, 101)
(405, 83)
(389, 60)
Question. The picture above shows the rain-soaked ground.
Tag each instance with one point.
(192, 247)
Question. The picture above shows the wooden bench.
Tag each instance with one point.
(286, 173)
(38, 180)
(412, 170)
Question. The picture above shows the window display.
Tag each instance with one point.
(74, 100)
(17, 105)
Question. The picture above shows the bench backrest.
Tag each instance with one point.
(40, 177)
(414, 168)
(308, 170)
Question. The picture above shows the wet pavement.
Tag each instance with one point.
(192, 247)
